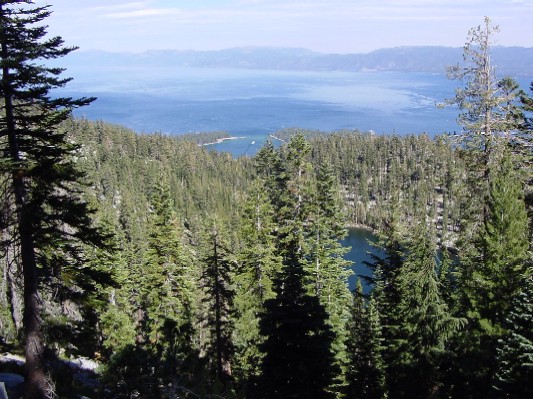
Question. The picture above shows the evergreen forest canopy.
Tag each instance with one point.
(187, 273)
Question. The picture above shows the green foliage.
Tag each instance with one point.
(326, 263)
(297, 358)
(427, 324)
(113, 305)
(515, 350)
(203, 138)
(258, 264)
(492, 265)
(131, 373)
(308, 228)
(504, 240)
(366, 370)
(45, 221)
(217, 279)
(166, 288)
(479, 99)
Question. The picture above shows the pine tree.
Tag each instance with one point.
(297, 361)
(489, 277)
(48, 216)
(504, 243)
(297, 354)
(258, 254)
(427, 323)
(489, 115)
(514, 378)
(326, 264)
(217, 279)
(488, 271)
(167, 289)
(479, 100)
(258, 264)
(366, 370)
(386, 265)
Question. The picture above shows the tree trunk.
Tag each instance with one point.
(36, 383)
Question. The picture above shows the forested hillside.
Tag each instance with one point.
(200, 240)
(185, 273)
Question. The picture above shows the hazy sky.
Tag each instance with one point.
(329, 26)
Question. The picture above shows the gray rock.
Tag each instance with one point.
(3, 393)
(13, 383)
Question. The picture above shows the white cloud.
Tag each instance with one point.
(120, 6)
(149, 12)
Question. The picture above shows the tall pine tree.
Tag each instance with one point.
(217, 278)
(297, 355)
(167, 283)
(489, 277)
(366, 370)
(47, 215)
(258, 264)
(514, 378)
(297, 362)
(427, 323)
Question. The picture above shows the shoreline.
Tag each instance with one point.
(277, 138)
(221, 140)
(359, 226)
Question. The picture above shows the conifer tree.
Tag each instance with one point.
(427, 323)
(366, 370)
(115, 319)
(504, 242)
(489, 116)
(297, 362)
(217, 278)
(388, 259)
(479, 101)
(297, 354)
(527, 127)
(514, 378)
(493, 239)
(489, 277)
(166, 283)
(386, 265)
(48, 216)
(258, 255)
(326, 264)
(258, 264)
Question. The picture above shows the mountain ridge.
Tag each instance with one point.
(514, 61)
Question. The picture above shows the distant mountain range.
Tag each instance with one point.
(513, 61)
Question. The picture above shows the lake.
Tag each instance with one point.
(255, 103)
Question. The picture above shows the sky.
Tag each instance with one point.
(326, 26)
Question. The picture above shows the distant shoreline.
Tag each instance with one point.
(218, 141)
(277, 138)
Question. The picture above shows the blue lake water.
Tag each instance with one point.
(255, 103)
(359, 240)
